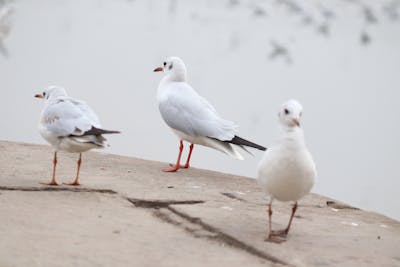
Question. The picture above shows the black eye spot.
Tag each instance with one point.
(44, 93)
(286, 111)
(165, 64)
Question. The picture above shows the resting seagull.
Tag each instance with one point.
(287, 170)
(192, 118)
(70, 125)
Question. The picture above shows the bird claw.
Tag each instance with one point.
(173, 168)
(281, 233)
(52, 183)
(275, 239)
(74, 183)
(186, 166)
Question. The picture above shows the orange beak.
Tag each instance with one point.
(39, 96)
(158, 69)
(296, 121)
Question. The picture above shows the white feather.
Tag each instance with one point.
(189, 115)
(287, 169)
(64, 119)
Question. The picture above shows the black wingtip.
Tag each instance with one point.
(236, 140)
(98, 131)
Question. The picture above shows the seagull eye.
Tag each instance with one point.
(165, 64)
(286, 111)
(44, 93)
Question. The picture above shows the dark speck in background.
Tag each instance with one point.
(259, 12)
(327, 14)
(323, 29)
(370, 16)
(307, 20)
(233, 3)
(278, 50)
(365, 38)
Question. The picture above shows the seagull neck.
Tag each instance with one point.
(176, 76)
(293, 134)
(54, 99)
(49, 101)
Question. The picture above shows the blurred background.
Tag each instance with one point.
(340, 58)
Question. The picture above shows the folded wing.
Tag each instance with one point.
(186, 111)
(66, 117)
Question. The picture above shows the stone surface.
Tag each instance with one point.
(129, 213)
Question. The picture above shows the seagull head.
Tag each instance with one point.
(290, 113)
(52, 92)
(174, 68)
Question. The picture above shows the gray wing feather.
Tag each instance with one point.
(67, 116)
(186, 111)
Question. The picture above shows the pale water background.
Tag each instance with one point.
(341, 60)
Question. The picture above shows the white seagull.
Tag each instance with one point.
(70, 125)
(287, 170)
(192, 118)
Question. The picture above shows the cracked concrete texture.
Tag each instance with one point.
(129, 213)
(91, 229)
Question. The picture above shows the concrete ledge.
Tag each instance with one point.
(129, 213)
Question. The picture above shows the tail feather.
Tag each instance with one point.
(236, 140)
(223, 147)
(97, 140)
(98, 131)
(245, 149)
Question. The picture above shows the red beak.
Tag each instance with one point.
(158, 69)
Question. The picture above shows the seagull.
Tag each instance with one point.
(192, 118)
(287, 170)
(70, 125)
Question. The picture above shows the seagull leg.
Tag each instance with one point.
(76, 181)
(291, 217)
(53, 179)
(187, 165)
(285, 231)
(176, 167)
(272, 237)
(269, 219)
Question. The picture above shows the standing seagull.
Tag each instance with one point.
(69, 124)
(192, 118)
(287, 170)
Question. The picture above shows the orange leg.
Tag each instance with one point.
(177, 166)
(187, 164)
(53, 179)
(270, 218)
(76, 181)
(272, 237)
(284, 232)
(291, 218)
